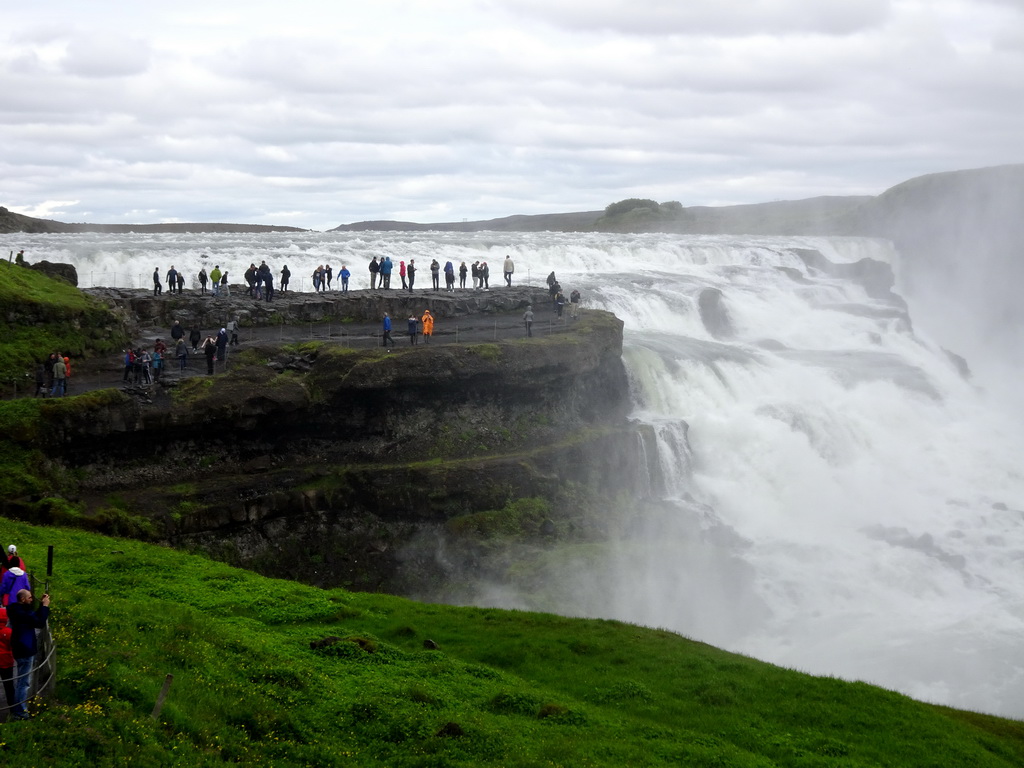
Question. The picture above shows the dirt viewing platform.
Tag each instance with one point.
(352, 319)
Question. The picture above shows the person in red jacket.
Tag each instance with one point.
(6, 661)
(11, 560)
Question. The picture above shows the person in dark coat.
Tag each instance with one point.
(374, 271)
(222, 346)
(194, 337)
(181, 352)
(250, 280)
(413, 328)
(410, 272)
(25, 619)
(265, 276)
(210, 350)
(285, 277)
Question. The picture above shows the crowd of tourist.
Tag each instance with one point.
(260, 280)
(20, 617)
(53, 375)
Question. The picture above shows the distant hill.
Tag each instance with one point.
(776, 218)
(928, 211)
(15, 222)
(544, 222)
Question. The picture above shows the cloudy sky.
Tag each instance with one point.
(315, 113)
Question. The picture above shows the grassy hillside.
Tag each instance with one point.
(42, 315)
(501, 688)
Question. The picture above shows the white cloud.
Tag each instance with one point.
(487, 108)
(47, 209)
(702, 17)
(100, 54)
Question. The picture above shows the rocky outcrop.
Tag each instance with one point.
(349, 464)
(65, 272)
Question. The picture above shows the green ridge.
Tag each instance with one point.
(42, 315)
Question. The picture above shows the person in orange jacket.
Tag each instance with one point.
(428, 325)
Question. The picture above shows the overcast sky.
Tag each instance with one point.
(314, 113)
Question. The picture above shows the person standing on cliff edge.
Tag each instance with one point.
(374, 271)
(508, 269)
(410, 272)
(157, 287)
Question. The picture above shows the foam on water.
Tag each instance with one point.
(840, 499)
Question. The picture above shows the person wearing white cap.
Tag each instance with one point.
(11, 560)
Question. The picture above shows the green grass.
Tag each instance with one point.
(43, 315)
(502, 688)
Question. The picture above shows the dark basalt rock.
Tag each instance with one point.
(349, 463)
(714, 314)
(65, 272)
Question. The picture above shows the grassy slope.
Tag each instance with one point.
(41, 315)
(504, 688)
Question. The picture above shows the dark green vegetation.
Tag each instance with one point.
(42, 315)
(500, 688)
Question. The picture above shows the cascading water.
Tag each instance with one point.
(838, 498)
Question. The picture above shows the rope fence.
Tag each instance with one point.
(44, 663)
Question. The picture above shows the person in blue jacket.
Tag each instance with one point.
(345, 275)
(387, 342)
(385, 273)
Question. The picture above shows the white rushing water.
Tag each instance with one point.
(842, 500)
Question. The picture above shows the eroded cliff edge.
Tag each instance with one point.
(386, 471)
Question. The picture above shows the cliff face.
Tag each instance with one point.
(342, 466)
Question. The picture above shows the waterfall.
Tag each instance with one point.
(837, 496)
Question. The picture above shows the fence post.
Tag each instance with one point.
(163, 695)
